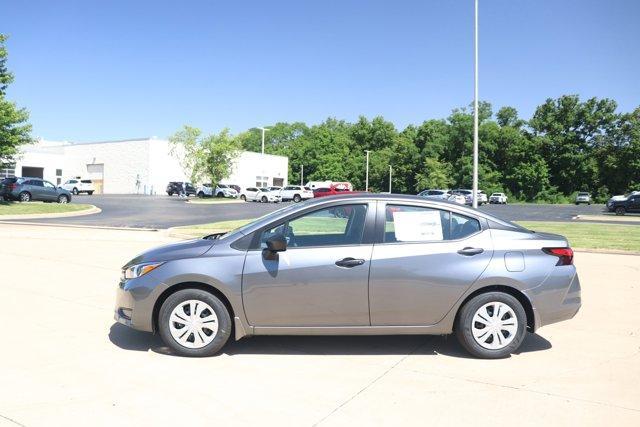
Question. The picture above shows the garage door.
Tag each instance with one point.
(96, 174)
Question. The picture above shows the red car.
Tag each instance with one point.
(321, 192)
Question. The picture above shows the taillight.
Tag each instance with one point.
(12, 186)
(565, 255)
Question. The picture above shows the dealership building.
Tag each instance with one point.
(133, 166)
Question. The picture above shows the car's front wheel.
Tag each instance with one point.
(63, 199)
(620, 210)
(243, 197)
(297, 198)
(491, 325)
(194, 323)
(25, 196)
(264, 199)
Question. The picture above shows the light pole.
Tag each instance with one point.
(366, 185)
(475, 111)
(301, 175)
(390, 175)
(263, 131)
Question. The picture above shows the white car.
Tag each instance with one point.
(499, 198)
(435, 194)
(267, 195)
(482, 197)
(77, 186)
(296, 193)
(221, 190)
(457, 198)
(249, 193)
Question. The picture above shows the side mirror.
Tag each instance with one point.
(276, 243)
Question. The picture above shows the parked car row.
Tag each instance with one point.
(461, 196)
(32, 189)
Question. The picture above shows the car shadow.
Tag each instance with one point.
(130, 339)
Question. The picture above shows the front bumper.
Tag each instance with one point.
(135, 301)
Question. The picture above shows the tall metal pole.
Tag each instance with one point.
(475, 112)
(301, 174)
(390, 175)
(366, 185)
(263, 131)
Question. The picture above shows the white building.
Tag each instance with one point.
(135, 166)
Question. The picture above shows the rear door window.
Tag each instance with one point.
(420, 224)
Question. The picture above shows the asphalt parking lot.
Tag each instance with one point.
(165, 211)
(65, 361)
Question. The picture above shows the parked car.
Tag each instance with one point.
(249, 193)
(467, 194)
(342, 185)
(624, 196)
(583, 197)
(322, 192)
(629, 205)
(32, 189)
(499, 198)
(175, 187)
(77, 186)
(435, 194)
(457, 198)
(296, 193)
(328, 267)
(267, 195)
(235, 187)
(482, 198)
(221, 190)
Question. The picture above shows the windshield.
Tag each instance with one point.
(242, 228)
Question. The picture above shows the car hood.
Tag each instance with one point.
(188, 249)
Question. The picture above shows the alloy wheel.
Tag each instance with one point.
(193, 324)
(494, 325)
(63, 199)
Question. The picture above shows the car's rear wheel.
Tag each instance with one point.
(620, 210)
(25, 196)
(491, 325)
(220, 194)
(297, 198)
(194, 323)
(170, 193)
(63, 199)
(200, 194)
(243, 197)
(264, 199)
(75, 191)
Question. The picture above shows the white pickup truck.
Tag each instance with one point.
(77, 186)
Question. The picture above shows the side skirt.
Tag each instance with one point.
(352, 330)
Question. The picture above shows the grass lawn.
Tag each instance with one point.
(592, 236)
(580, 235)
(17, 208)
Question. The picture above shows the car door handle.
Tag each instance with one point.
(349, 262)
(470, 251)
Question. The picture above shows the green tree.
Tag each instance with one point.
(202, 157)
(14, 127)
(434, 174)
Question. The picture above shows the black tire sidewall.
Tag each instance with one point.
(297, 198)
(465, 317)
(224, 322)
(243, 198)
(62, 196)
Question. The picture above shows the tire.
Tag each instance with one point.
(264, 199)
(620, 210)
(297, 198)
(170, 193)
(63, 199)
(169, 329)
(90, 193)
(220, 194)
(482, 304)
(243, 197)
(75, 191)
(201, 194)
(25, 196)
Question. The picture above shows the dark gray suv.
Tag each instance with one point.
(359, 264)
(28, 189)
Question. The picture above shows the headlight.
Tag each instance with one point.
(138, 270)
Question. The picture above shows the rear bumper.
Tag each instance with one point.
(557, 299)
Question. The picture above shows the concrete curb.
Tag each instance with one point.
(606, 251)
(95, 227)
(90, 211)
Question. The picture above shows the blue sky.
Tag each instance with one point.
(97, 70)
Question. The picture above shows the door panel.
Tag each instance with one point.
(304, 287)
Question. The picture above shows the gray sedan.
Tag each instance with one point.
(357, 264)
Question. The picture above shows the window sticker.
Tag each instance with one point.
(417, 226)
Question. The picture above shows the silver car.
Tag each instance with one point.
(358, 264)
